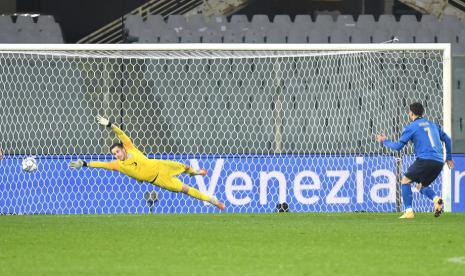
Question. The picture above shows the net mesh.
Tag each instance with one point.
(271, 127)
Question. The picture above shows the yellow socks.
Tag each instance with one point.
(197, 194)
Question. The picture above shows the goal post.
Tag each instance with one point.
(447, 121)
(273, 123)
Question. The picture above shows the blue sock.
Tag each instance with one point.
(407, 196)
(427, 191)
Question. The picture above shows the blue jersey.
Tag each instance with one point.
(427, 138)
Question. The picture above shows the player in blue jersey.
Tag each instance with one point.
(427, 138)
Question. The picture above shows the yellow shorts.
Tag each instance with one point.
(167, 177)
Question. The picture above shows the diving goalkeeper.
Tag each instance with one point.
(133, 163)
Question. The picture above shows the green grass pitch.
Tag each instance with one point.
(233, 244)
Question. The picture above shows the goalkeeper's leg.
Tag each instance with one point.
(199, 195)
(175, 185)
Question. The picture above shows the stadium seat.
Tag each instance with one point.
(458, 50)
(233, 36)
(424, 36)
(5, 20)
(282, 22)
(133, 20)
(458, 129)
(429, 18)
(380, 36)
(339, 35)
(147, 36)
(446, 36)
(366, 22)
(190, 36)
(239, 22)
(27, 36)
(45, 20)
(303, 20)
(46, 30)
(254, 36)
(430, 22)
(25, 23)
(8, 31)
(461, 37)
(318, 36)
(47, 26)
(196, 22)
(459, 80)
(156, 22)
(51, 37)
(451, 23)
(404, 36)
(297, 35)
(275, 35)
(458, 106)
(345, 20)
(324, 22)
(168, 36)
(408, 22)
(260, 22)
(212, 36)
(177, 22)
(218, 22)
(360, 36)
(387, 22)
(133, 24)
(8, 36)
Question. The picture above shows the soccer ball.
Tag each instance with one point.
(29, 164)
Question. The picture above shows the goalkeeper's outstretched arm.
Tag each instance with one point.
(121, 135)
(113, 165)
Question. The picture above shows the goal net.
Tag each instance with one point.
(290, 124)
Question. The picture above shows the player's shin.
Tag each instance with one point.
(428, 192)
(201, 196)
(407, 197)
(197, 194)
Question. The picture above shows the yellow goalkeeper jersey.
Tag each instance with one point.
(137, 165)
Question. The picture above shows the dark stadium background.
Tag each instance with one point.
(80, 17)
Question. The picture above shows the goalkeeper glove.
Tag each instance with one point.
(103, 121)
(77, 164)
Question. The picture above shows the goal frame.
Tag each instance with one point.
(444, 47)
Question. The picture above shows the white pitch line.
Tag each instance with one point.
(457, 260)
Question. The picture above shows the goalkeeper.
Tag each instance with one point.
(133, 163)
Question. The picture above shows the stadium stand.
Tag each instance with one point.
(281, 29)
(323, 29)
(28, 29)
